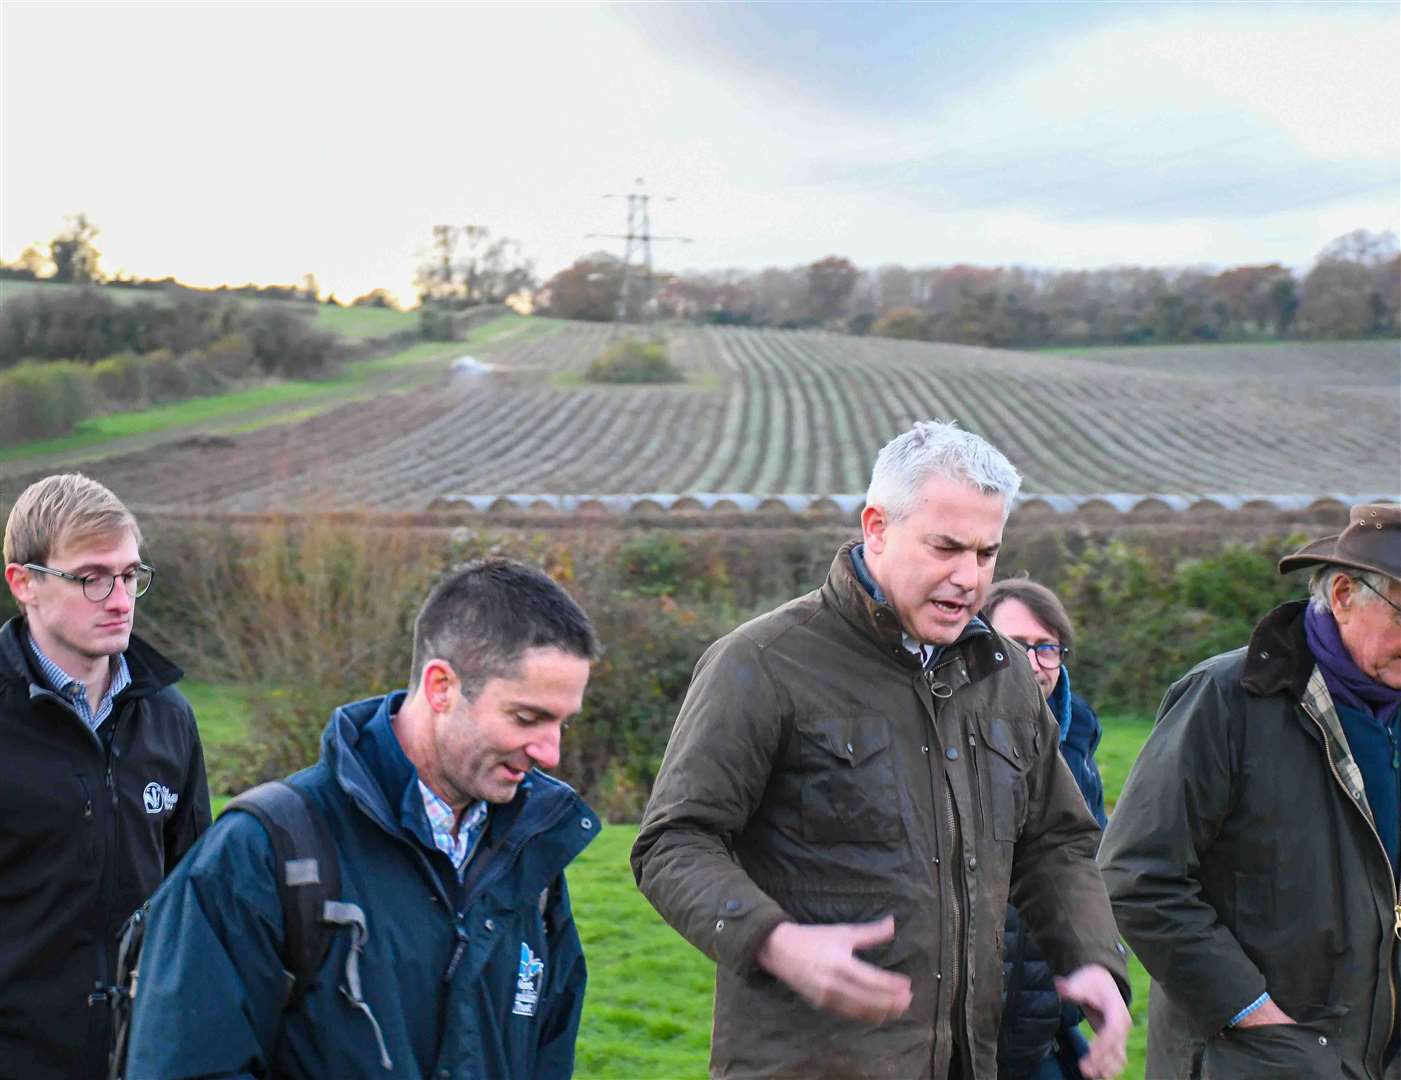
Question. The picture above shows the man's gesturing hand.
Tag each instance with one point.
(1095, 991)
(818, 962)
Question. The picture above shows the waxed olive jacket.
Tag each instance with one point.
(816, 773)
(1242, 858)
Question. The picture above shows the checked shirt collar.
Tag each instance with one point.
(460, 845)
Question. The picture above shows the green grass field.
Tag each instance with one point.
(648, 1010)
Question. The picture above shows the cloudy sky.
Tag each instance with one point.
(261, 141)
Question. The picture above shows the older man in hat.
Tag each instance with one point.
(1252, 857)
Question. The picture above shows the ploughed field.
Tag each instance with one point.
(799, 412)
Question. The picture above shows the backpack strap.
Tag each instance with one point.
(123, 991)
(308, 876)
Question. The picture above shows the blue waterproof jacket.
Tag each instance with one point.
(1033, 1016)
(485, 980)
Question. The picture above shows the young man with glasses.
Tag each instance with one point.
(102, 783)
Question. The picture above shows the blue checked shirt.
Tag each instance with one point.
(75, 692)
(460, 846)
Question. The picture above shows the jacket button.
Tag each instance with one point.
(951, 753)
(973, 862)
(719, 925)
(489, 925)
(1323, 1040)
(585, 823)
(925, 749)
(849, 750)
(998, 657)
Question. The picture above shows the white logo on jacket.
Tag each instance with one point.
(529, 976)
(158, 798)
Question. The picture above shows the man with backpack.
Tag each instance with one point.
(398, 909)
(102, 785)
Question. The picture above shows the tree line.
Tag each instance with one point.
(1352, 290)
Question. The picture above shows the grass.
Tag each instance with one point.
(273, 399)
(363, 322)
(648, 1010)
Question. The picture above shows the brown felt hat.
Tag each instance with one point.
(1371, 541)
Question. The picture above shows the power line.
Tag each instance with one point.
(638, 280)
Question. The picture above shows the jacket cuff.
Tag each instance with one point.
(1115, 961)
(1233, 1021)
(742, 925)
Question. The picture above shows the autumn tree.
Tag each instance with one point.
(588, 290)
(830, 283)
(907, 323)
(464, 266)
(74, 255)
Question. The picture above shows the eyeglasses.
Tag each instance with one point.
(1047, 654)
(1394, 605)
(98, 587)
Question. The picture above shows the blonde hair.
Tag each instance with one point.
(64, 508)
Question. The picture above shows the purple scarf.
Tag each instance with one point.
(1348, 684)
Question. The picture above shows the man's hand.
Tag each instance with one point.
(1268, 1013)
(1095, 991)
(818, 963)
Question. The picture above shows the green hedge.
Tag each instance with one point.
(43, 398)
(633, 361)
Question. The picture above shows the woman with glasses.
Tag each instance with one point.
(1040, 1039)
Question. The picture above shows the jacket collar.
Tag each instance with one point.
(1278, 659)
(363, 753)
(876, 621)
(150, 671)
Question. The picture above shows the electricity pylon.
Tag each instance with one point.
(635, 293)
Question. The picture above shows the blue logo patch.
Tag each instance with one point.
(530, 976)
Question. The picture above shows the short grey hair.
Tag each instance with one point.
(1321, 585)
(936, 448)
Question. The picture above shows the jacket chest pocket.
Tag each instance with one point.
(1003, 767)
(848, 782)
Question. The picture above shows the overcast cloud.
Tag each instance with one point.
(257, 142)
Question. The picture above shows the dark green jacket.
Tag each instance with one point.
(1242, 858)
(815, 773)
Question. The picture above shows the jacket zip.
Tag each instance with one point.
(1395, 901)
(102, 983)
(951, 867)
(436, 881)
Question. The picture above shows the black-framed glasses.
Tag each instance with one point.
(1394, 605)
(98, 587)
(1048, 654)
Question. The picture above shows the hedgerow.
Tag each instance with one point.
(312, 614)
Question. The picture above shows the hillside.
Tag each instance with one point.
(353, 323)
(772, 412)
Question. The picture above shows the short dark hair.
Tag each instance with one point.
(486, 613)
(1039, 600)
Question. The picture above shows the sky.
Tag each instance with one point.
(260, 141)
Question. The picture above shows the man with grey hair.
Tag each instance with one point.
(1252, 858)
(870, 769)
